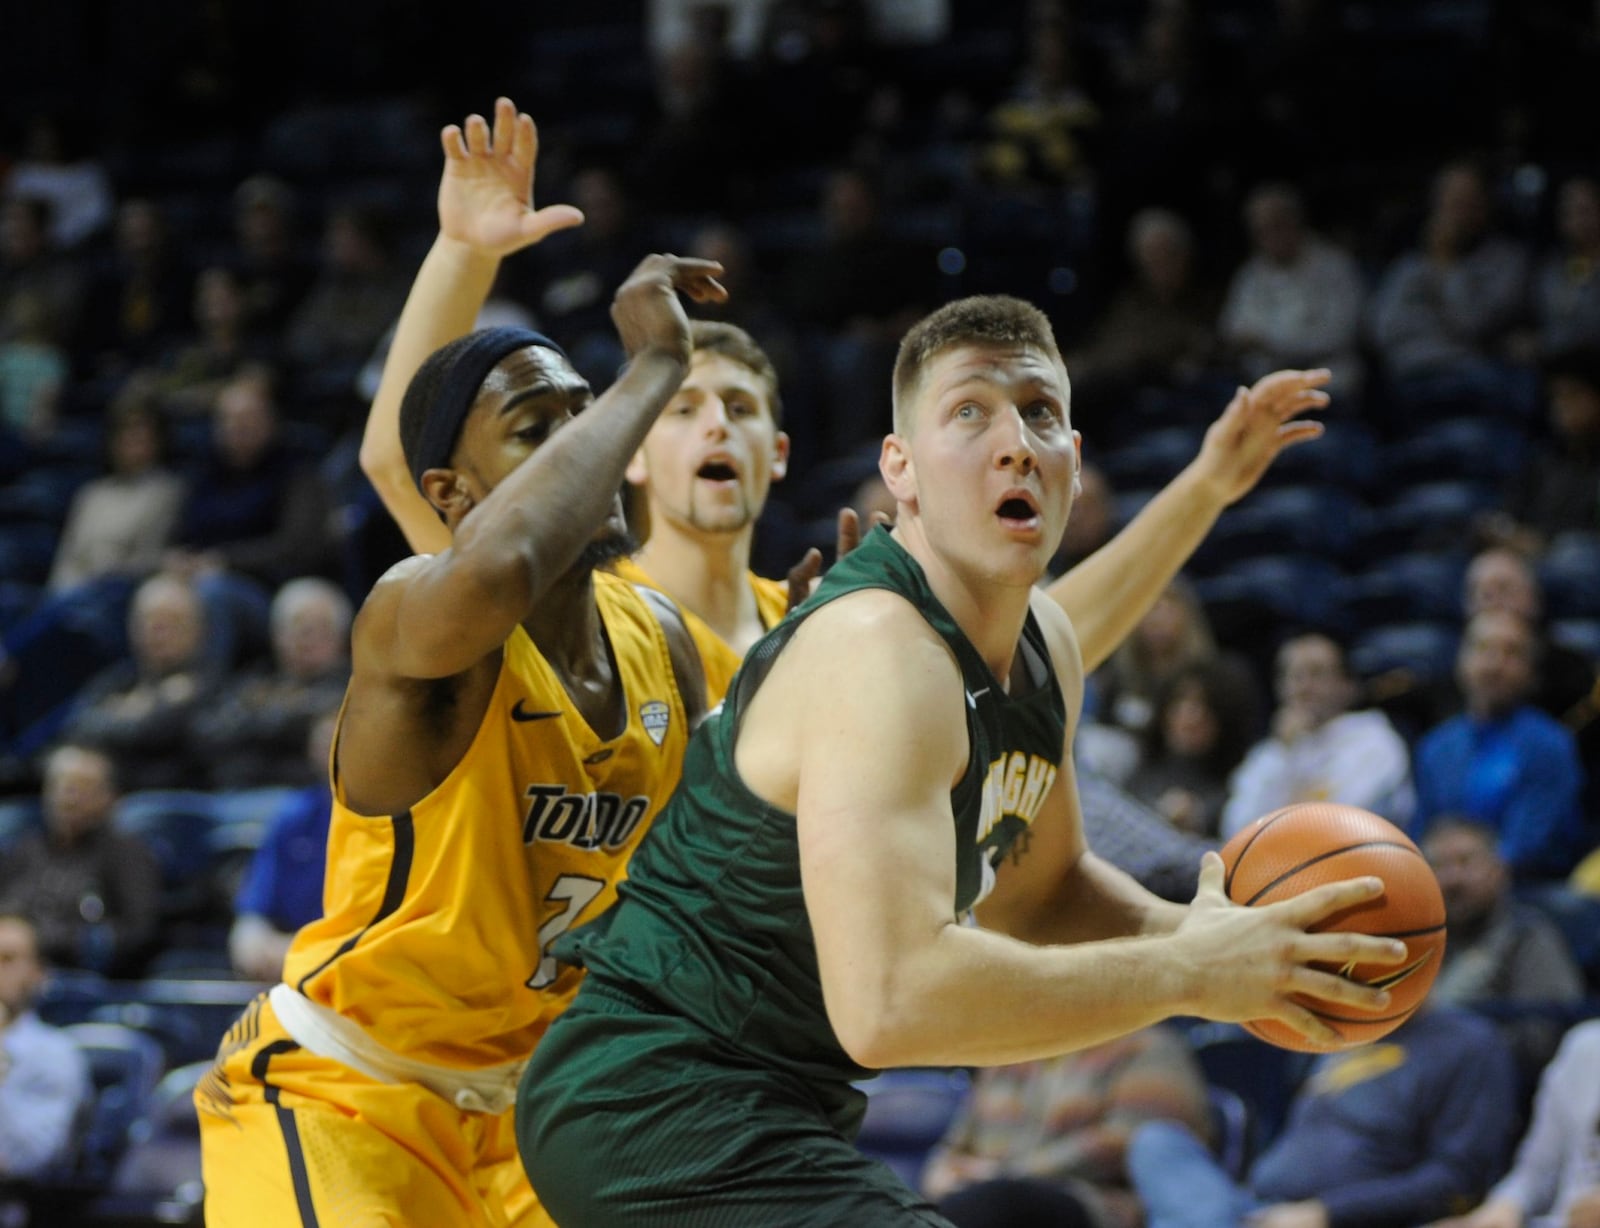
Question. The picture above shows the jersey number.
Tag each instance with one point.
(573, 892)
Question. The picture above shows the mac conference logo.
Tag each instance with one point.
(654, 715)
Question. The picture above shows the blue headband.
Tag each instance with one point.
(451, 386)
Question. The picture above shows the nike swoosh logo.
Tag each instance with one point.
(519, 713)
(972, 697)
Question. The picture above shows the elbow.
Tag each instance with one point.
(880, 1027)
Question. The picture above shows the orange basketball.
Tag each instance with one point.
(1305, 845)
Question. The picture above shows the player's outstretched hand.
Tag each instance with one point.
(646, 308)
(1249, 961)
(803, 576)
(486, 194)
(1259, 423)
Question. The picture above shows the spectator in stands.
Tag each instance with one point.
(1554, 1181)
(282, 890)
(1319, 750)
(1043, 1144)
(139, 711)
(1395, 1132)
(858, 290)
(1445, 309)
(1557, 489)
(195, 370)
(257, 515)
(273, 273)
(1199, 733)
(138, 302)
(120, 524)
(33, 369)
(1500, 951)
(1503, 579)
(254, 735)
(1297, 300)
(44, 1079)
(1502, 761)
(357, 294)
(571, 274)
(1173, 634)
(1566, 290)
(93, 893)
(30, 265)
(1157, 330)
(56, 167)
(1041, 135)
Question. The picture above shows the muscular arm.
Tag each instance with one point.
(444, 301)
(1110, 591)
(485, 213)
(443, 613)
(903, 981)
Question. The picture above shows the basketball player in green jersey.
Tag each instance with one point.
(486, 213)
(891, 762)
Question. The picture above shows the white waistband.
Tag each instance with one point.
(329, 1034)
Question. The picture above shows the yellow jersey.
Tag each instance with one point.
(717, 656)
(437, 922)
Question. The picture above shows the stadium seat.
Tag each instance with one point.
(1570, 573)
(1256, 596)
(1434, 514)
(158, 1179)
(71, 996)
(1346, 456)
(1407, 586)
(1456, 449)
(1153, 460)
(1311, 520)
(908, 1112)
(177, 827)
(1426, 650)
(18, 817)
(124, 1066)
(1579, 634)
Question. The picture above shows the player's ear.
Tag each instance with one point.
(1077, 464)
(899, 475)
(637, 472)
(447, 491)
(780, 456)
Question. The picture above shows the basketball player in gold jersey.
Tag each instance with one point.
(513, 721)
(706, 466)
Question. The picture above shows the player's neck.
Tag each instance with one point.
(989, 614)
(706, 573)
(565, 627)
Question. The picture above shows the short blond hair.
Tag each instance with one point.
(984, 319)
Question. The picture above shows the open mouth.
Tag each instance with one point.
(1018, 511)
(717, 471)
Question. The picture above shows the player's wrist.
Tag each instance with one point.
(464, 253)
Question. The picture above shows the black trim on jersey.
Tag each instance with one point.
(394, 891)
(290, 1128)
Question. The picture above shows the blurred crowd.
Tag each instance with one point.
(200, 268)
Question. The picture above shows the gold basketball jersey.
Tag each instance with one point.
(438, 921)
(717, 656)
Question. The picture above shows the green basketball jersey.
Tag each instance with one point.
(711, 922)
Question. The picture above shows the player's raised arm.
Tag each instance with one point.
(1110, 591)
(485, 213)
(516, 537)
(905, 983)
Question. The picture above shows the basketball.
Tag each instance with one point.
(1306, 845)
